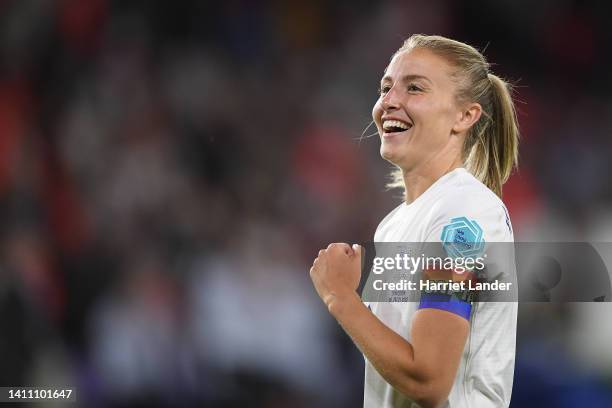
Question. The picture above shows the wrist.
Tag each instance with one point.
(338, 304)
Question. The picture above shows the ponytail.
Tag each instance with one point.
(494, 152)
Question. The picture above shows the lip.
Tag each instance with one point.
(387, 135)
(408, 121)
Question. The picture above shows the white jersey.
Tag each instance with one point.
(485, 374)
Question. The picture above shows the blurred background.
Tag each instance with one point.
(169, 170)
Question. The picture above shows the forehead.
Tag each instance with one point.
(421, 63)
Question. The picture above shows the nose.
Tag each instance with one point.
(390, 100)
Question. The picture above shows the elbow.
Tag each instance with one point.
(431, 401)
(428, 394)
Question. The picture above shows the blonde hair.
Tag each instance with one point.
(490, 151)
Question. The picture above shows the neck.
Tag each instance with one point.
(418, 180)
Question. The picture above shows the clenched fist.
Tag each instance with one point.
(336, 271)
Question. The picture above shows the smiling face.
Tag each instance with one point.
(417, 115)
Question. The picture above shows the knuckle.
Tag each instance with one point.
(337, 245)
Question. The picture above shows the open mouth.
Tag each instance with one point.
(395, 126)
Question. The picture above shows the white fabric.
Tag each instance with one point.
(485, 374)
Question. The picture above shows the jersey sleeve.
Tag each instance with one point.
(460, 229)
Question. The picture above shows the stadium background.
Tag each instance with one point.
(168, 171)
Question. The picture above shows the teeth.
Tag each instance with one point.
(389, 124)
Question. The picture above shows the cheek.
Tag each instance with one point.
(377, 112)
(436, 116)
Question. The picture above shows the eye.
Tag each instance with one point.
(384, 89)
(414, 88)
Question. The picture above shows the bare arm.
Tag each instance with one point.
(423, 369)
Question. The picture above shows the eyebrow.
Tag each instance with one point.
(407, 78)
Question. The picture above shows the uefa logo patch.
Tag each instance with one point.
(462, 238)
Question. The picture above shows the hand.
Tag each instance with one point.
(336, 271)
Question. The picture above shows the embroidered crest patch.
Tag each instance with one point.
(462, 238)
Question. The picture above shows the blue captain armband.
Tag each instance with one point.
(449, 303)
(445, 289)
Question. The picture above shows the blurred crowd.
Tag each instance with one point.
(168, 171)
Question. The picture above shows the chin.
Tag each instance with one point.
(389, 153)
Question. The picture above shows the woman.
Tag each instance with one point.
(449, 126)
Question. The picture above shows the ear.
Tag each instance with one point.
(467, 117)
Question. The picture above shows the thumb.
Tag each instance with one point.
(358, 255)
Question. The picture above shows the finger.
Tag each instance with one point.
(357, 249)
(321, 252)
(340, 246)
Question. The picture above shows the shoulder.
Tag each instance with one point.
(387, 223)
(468, 195)
(467, 204)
